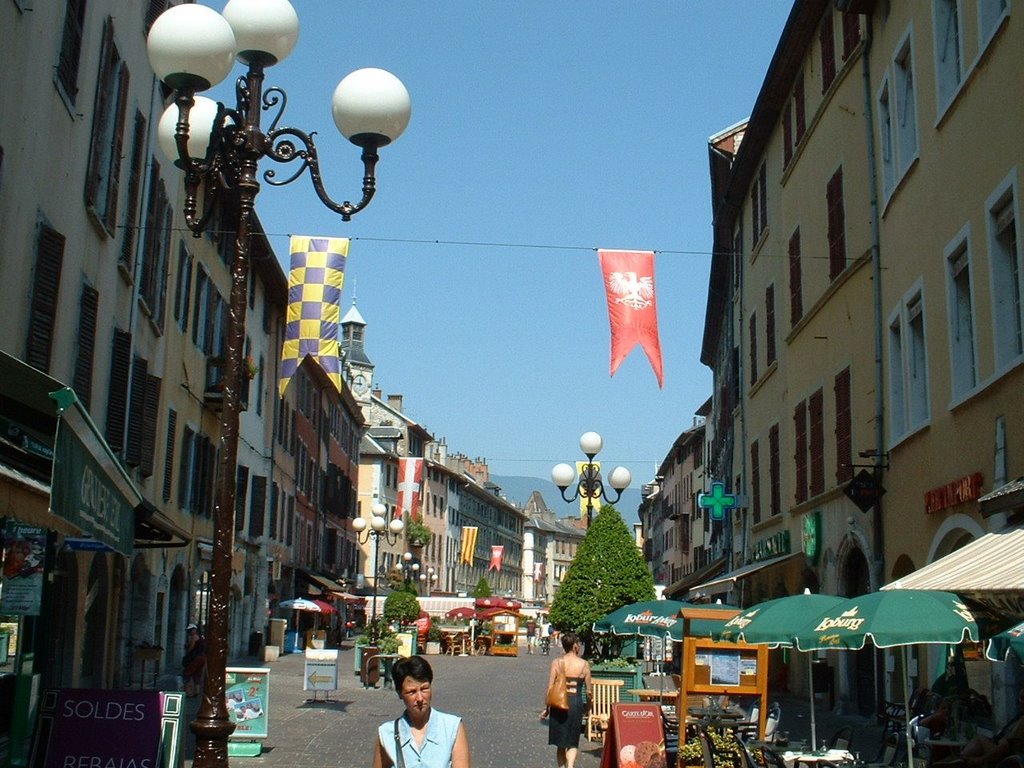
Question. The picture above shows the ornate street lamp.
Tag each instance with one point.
(410, 567)
(378, 527)
(590, 485)
(427, 579)
(192, 48)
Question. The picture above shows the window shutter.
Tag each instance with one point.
(800, 454)
(156, 7)
(241, 486)
(104, 94)
(851, 33)
(815, 411)
(150, 414)
(764, 197)
(796, 302)
(828, 51)
(787, 133)
(273, 510)
(775, 501)
(110, 214)
(45, 288)
(755, 481)
(257, 505)
(130, 235)
(136, 412)
(172, 423)
(844, 437)
(769, 325)
(71, 48)
(187, 469)
(753, 349)
(117, 398)
(801, 109)
(87, 311)
(836, 225)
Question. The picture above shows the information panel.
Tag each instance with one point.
(247, 690)
(321, 672)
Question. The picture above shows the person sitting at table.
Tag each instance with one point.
(1005, 749)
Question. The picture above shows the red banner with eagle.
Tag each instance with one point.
(632, 309)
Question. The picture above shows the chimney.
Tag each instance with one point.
(395, 401)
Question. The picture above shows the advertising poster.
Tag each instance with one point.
(321, 673)
(105, 727)
(635, 738)
(247, 691)
(24, 553)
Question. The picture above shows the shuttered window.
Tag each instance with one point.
(241, 486)
(257, 505)
(86, 344)
(755, 481)
(836, 225)
(752, 341)
(815, 413)
(272, 529)
(151, 411)
(796, 301)
(769, 325)
(800, 450)
(775, 500)
(827, 40)
(183, 288)
(156, 7)
(71, 48)
(172, 423)
(156, 244)
(844, 423)
(130, 237)
(851, 33)
(117, 398)
(801, 108)
(45, 289)
(107, 146)
(136, 412)
(187, 469)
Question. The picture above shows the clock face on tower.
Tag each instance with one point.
(359, 384)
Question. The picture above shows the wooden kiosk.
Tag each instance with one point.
(504, 632)
(713, 668)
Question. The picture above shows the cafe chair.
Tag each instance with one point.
(771, 722)
(605, 693)
(841, 738)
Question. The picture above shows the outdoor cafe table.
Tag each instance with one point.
(811, 759)
(653, 694)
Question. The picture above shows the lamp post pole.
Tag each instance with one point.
(590, 486)
(192, 48)
(378, 527)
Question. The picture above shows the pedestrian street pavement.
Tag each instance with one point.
(499, 699)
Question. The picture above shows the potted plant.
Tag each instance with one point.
(434, 639)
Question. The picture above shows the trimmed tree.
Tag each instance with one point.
(607, 573)
(403, 606)
(483, 589)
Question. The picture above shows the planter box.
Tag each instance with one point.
(433, 648)
(632, 677)
(271, 653)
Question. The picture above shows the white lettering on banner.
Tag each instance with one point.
(104, 710)
(648, 619)
(97, 500)
(95, 761)
(637, 714)
(847, 620)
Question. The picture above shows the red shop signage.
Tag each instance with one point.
(967, 488)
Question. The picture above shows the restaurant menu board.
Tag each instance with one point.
(103, 728)
(24, 549)
(321, 673)
(635, 737)
(725, 668)
(247, 690)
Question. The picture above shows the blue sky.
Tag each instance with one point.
(540, 132)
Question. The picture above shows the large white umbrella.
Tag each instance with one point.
(300, 604)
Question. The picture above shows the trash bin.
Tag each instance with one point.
(256, 644)
(293, 641)
(275, 632)
(369, 671)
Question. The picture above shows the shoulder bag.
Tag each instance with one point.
(558, 692)
(399, 757)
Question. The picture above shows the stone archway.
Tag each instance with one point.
(859, 667)
(95, 624)
(177, 619)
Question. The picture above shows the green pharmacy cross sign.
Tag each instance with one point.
(718, 501)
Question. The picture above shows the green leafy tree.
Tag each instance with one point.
(483, 589)
(607, 573)
(403, 606)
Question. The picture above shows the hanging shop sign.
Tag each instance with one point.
(90, 490)
(864, 490)
(959, 491)
(811, 535)
(777, 544)
(24, 565)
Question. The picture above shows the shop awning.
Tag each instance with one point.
(677, 588)
(328, 585)
(1005, 498)
(988, 571)
(727, 581)
(52, 449)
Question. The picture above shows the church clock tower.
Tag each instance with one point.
(358, 368)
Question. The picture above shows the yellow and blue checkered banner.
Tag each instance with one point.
(314, 306)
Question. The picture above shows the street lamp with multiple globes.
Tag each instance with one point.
(410, 567)
(378, 527)
(192, 48)
(427, 579)
(590, 485)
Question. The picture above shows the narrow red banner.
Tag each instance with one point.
(632, 307)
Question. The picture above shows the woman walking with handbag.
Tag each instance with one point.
(571, 674)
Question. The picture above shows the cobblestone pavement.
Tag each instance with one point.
(499, 698)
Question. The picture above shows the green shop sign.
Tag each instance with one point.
(90, 488)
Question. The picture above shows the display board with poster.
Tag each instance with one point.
(635, 737)
(247, 692)
(725, 671)
(24, 550)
